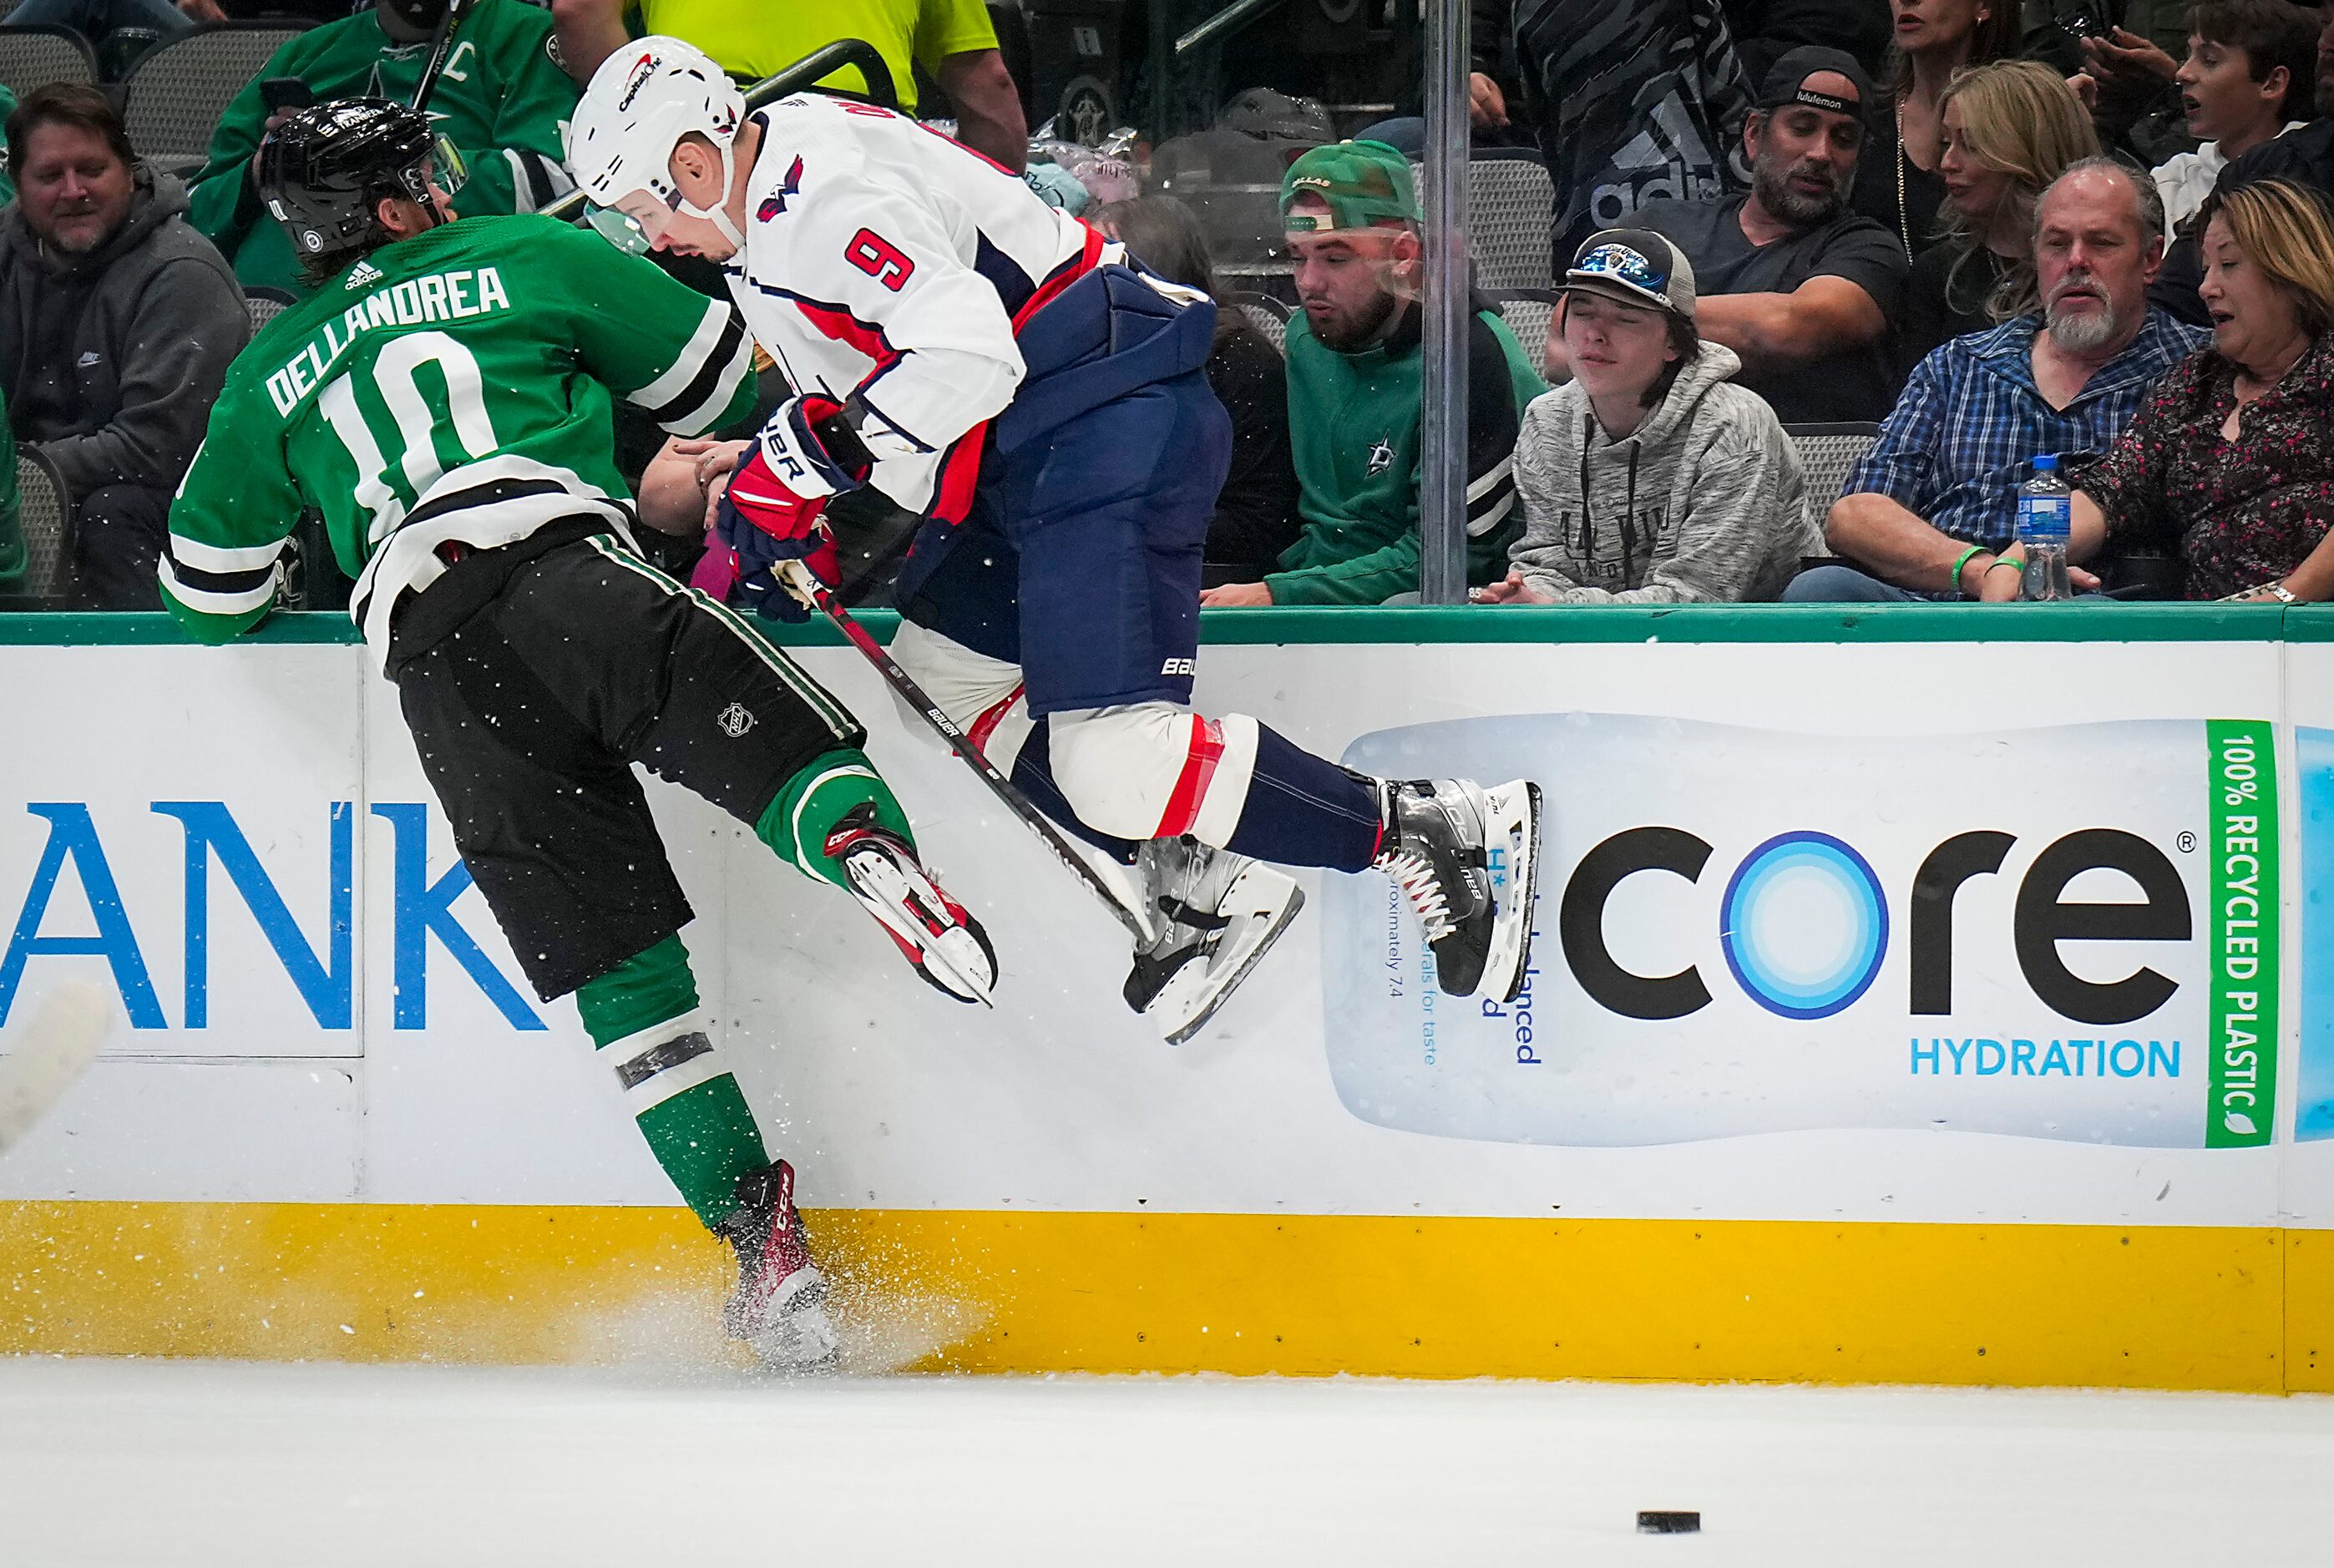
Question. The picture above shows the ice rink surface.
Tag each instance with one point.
(153, 1463)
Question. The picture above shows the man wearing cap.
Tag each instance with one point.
(1791, 280)
(1353, 393)
(1650, 478)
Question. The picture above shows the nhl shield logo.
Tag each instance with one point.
(734, 720)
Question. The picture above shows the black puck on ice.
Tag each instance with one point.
(1668, 1521)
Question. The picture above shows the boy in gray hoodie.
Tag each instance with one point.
(1650, 478)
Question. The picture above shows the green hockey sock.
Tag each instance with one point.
(644, 1014)
(819, 796)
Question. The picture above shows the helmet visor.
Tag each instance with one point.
(449, 172)
(635, 223)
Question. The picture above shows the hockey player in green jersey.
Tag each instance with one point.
(501, 101)
(444, 401)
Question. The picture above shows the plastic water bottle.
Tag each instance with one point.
(2044, 522)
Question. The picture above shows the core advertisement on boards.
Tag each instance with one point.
(2068, 933)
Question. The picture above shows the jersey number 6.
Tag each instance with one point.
(879, 258)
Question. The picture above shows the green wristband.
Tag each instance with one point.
(2006, 561)
(1954, 582)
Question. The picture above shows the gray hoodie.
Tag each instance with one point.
(1703, 503)
(111, 360)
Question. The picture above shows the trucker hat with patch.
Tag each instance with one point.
(1633, 267)
(1363, 183)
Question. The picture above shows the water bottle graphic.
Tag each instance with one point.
(2045, 524)
(1745, 931)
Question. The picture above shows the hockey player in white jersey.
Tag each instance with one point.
(995, 367)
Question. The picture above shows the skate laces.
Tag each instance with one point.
(1416, 876)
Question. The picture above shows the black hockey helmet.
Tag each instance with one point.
(324, 171)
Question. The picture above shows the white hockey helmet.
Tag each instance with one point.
(641, 101)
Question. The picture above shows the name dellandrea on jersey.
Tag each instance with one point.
(451, 387)
(453, 296)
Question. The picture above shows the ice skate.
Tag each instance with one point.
(779, 1307)
(1466, 857)
(941, 939)
(1215, 913)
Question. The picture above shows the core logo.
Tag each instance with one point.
(1804, 923)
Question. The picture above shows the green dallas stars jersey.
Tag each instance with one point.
(451, 387)
(503, 100)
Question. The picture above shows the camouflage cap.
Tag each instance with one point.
(1364, 183)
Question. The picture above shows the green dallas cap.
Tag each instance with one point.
(1362, 182)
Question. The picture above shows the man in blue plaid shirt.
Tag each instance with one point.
(1925, 514)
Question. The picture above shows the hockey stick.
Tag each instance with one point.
(804, 584)
(441, 46)
(49, 1055)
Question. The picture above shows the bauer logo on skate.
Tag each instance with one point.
(2066, 932)
(132, 900)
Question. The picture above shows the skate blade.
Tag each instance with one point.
(1267, 903)
(891, 896)
(1513, 815)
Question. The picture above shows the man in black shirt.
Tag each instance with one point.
(1802, 288)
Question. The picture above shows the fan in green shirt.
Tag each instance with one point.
(502, 102)
(1355, 397)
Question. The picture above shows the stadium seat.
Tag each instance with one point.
(264, 305)
(1511, 209)
(34, 57)
(175, 95)
(45, 514)
(1268, 316)
(1827, 454)
(1528, 313)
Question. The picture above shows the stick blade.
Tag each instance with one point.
(49, 1054)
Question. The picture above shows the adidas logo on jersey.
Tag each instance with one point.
(363, 273)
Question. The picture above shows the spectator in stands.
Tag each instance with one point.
(1354, 399)
(1798, 287)
(1930, 507)
(117, 324)
(953, 40)
(2234, 451)
(1650, 478)
(2248, 78)
(2303, 157)
(1900, 185)
(1256, 514)
(145, 23)
(7, 108)
(2011, 129)
(1631, 103)
(1764, 31)
(504, 111)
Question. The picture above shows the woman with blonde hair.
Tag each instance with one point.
(2011, 129)
(2232, 454)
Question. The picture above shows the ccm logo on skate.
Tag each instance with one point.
(1804, 922)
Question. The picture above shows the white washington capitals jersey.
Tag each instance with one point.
(883, 260)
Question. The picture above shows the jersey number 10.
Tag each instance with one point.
(416, 422)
